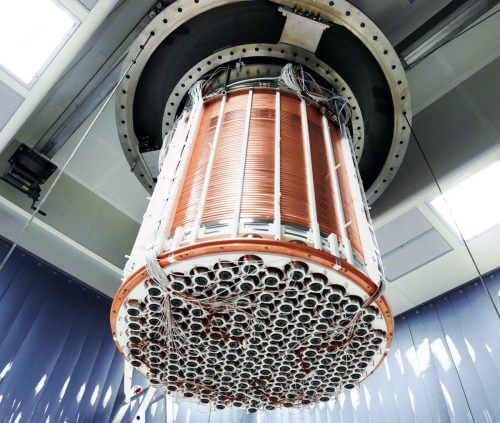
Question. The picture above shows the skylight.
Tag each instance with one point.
(31, 33)
(474, 203)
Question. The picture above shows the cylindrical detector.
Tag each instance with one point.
(231, 177)
(231, 182)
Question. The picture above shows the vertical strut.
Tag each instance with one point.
(364, 229)
(310, 176)
(236, 218)
(152, 233)
(208, 172)
(336, 189)
(277, 168)
(180, 171)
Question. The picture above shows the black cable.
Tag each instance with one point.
(451, 39)
(424, 156)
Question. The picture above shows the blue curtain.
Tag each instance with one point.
(57, 357)
(58, 360)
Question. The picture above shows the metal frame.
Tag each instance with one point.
(277, 168)
(346, 245)
(371, 257)
(316, 237)
(246, 132)
(301, 31)
(278, 51)
(339, 12)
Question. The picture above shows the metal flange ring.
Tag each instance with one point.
(339, 12)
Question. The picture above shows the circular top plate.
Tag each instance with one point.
(380, 86)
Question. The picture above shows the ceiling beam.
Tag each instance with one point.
(56, 69)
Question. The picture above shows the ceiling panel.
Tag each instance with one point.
(414, 254)
(409, 242)
(401, 230)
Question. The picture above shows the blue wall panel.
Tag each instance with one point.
(58, 360)
(57, 357)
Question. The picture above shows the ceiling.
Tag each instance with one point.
(94, 213)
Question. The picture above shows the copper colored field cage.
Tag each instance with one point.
(266, 163)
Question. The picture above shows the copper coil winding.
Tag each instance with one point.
(349, 213)
(224, 186)
(257, 192)
(188, 204)
(293, 178)
(258, 183)
(323, 189)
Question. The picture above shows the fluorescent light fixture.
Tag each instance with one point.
(473, 204)
(31, 33)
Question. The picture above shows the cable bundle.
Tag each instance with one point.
(303, 83)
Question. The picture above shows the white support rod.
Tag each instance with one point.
(338, 206)
(127, 380)
(368, 217)
(140, 416)
(154, 216)
(180, 175)
(208, 172)
(333, 242)
(178, 235)
(169, 409)
(246, 131)
(310, 176)
(367, 241)
(277, 168)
